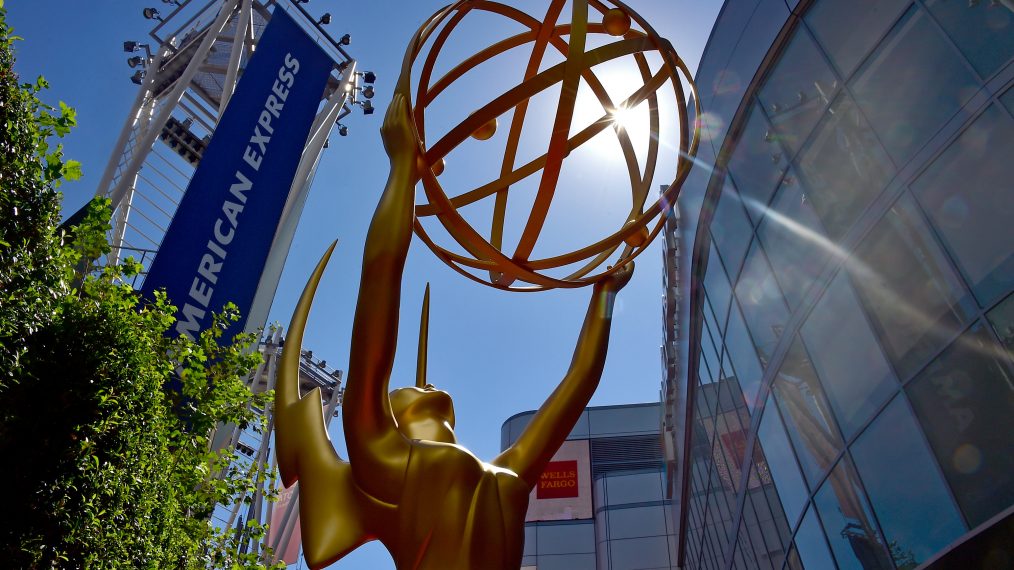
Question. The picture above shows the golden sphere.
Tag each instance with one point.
(616, 22)
(486, 131)
(495, 253)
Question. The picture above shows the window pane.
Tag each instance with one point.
(717, 286)
(849, 523)
(810, 544)
(1002, 318)
(794, 240)
(849, 30)
(847, 357)
(911, 500)
(1008, 99)
(844, 167)
(967, 194)
(984, 31)
(566, 538)
(744, 357)
(806, 414)
(912, 294)
(762, 303)
(634, 488)
(757, 163)
(964, 400)
(636, 522)
(777, 458)
(912, 85)
(731, 228)
(797, 91)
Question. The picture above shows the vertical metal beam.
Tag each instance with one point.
(236, 57)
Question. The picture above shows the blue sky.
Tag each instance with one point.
(497, 353)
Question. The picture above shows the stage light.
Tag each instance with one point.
(138, 77)
(130, 47)
(367, 107)
(369, 77)
(343, 130)
(346, 40)
(135, 61)
(152, 14)
(325, 19)
(368, 92)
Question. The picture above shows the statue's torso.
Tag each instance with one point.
(458, 513)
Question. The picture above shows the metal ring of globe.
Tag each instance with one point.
(635, 235)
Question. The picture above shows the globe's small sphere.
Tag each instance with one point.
(486, 131)
(437, 167)
(616, 22)
(638, 238)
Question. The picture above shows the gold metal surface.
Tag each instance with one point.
(485, 256)
(431, 502)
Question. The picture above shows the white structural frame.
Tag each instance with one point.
(190, 71)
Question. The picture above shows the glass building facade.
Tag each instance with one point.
(843, 393)
(632, 525)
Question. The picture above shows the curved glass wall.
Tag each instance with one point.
(851, 398)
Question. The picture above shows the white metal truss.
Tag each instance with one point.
(200, 51)
(187, 74)
(257, 455)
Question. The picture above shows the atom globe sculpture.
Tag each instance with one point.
(598, 32)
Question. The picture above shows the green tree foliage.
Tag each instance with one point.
(102, 466)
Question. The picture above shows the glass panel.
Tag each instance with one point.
(794, 240)
(774, 532)
(984, 31)
(844, 167)
(913, 295)
(744, 357)
(912, 85)
(806, 414)
(810, 544)
(778, 459)
(636, 553)
(849, 30)
(797, 91)
(762, 303)
(757, 163)
(964, 400)
(847, 357)
(636, 522)
(1002, 318)
(849, 523)
(634, 488)
(754, 533)
(911, 500)
(717, 286)
(566, 538)
(731, 228)
(624, 420)
(967, 194)
(1008, 99)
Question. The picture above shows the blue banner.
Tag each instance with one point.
(216, 245)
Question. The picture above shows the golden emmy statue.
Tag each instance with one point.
(407, 482)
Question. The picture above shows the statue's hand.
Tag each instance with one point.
(398, 133)
(618, 280)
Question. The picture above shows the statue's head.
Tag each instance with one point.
(424, 413)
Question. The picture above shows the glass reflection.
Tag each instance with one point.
(810, 544)
(984, 31)
(966, 193)
(849, 30)
(717, 285)
(912, 85)
(791, 234)
(761, 300)
(1008, 100)
(848, 521)
(1002, 318)
(964, 399)
(797, 91)
(844, 167)
(758, 162)
(744, 357)
(913, 295)
(731, 229)
(806, 413)
(847, 357)
(776, 458)
(910, 499)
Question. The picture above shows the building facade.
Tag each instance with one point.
(844, 389)
(617, 517)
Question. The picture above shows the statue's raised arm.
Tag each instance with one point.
(377, 451)
(557, 416)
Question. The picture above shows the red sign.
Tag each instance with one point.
(558, 481)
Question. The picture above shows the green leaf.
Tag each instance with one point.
(72, 170)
